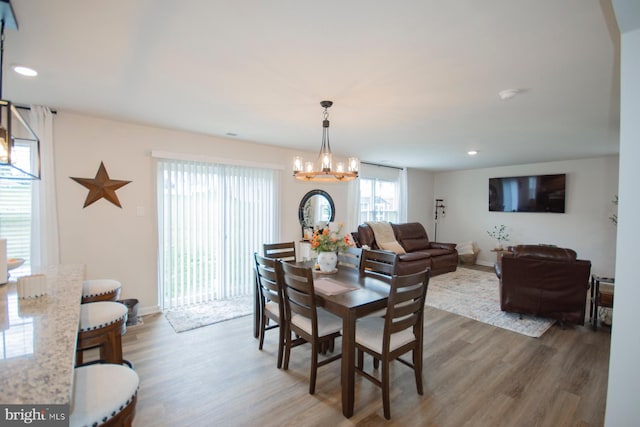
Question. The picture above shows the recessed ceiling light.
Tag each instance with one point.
(25, 71)
(509, 93)
(472, 152)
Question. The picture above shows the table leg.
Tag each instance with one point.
(348, 363)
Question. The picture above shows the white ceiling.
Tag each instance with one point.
(414, 83)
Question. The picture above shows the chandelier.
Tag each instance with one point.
(324, 169)
(19, 145)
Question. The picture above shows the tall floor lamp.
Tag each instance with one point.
(439, 210)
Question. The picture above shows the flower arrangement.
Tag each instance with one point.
(327, 240)
(500, 234)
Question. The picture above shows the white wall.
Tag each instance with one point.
(624, 367)
(121, 243)
(584, 227)
(420, 200)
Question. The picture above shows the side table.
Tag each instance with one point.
(600, 296)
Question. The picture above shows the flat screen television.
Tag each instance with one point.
(535, 193)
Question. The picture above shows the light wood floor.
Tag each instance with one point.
(474, 375)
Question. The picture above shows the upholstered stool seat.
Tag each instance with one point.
(100, 290)
(102, 325)
(104, 395)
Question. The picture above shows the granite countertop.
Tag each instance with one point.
(39, 339)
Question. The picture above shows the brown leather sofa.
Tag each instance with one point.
(420, 252)
(544, 281)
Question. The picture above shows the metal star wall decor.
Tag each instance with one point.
(101, 186)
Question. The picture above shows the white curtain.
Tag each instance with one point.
(211, 219)
(403, 188)
(353, 206)
(45, 243)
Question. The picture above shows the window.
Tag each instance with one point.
(379, 200)
(211, 218)
(15, 220)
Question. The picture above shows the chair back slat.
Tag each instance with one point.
(267, 280)
(381, 264)
(285, 251)
(350, 258)
(298, 292)
(405, 308)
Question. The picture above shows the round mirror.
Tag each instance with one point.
(316, 210)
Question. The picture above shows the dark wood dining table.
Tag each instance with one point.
(369, 294)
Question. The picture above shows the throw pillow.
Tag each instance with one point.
(465, 248)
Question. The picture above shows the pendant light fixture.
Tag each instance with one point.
(19, 145)
(324, 169)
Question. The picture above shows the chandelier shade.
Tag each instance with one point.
(19, 145)
(324, 169)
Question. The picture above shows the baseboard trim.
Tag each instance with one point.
(144, 311)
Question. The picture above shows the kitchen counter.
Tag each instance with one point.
(37, 352)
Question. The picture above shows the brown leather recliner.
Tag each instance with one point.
(544, 281)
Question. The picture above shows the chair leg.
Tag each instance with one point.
(385, 389)
(111, 349)
(263, 321)
(360, 359)
(322, 348)
(287, 349)
(314, 367)
(417, 368)
(280, 345)
(376, 363)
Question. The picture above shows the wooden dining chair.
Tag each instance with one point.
(399, 332)
(310, 323)
(350, 257)
(382, 264)
(270, 297)
(285, 251)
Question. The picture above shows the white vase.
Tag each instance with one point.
(327, 261)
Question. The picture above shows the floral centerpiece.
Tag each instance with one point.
(327, 242)
(500, 234)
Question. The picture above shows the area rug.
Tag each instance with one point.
(475, 294)
(199, 315)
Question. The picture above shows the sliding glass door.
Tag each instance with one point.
(211, 218)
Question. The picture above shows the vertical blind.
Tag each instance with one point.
(15, 220)
(211, 218)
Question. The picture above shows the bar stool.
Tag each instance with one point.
(102, 325)
(104, 395)
(100, 290)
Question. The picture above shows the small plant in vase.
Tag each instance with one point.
(500, 234)
(327, 243)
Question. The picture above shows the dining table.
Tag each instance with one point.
(39, 335)
(361, 294)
